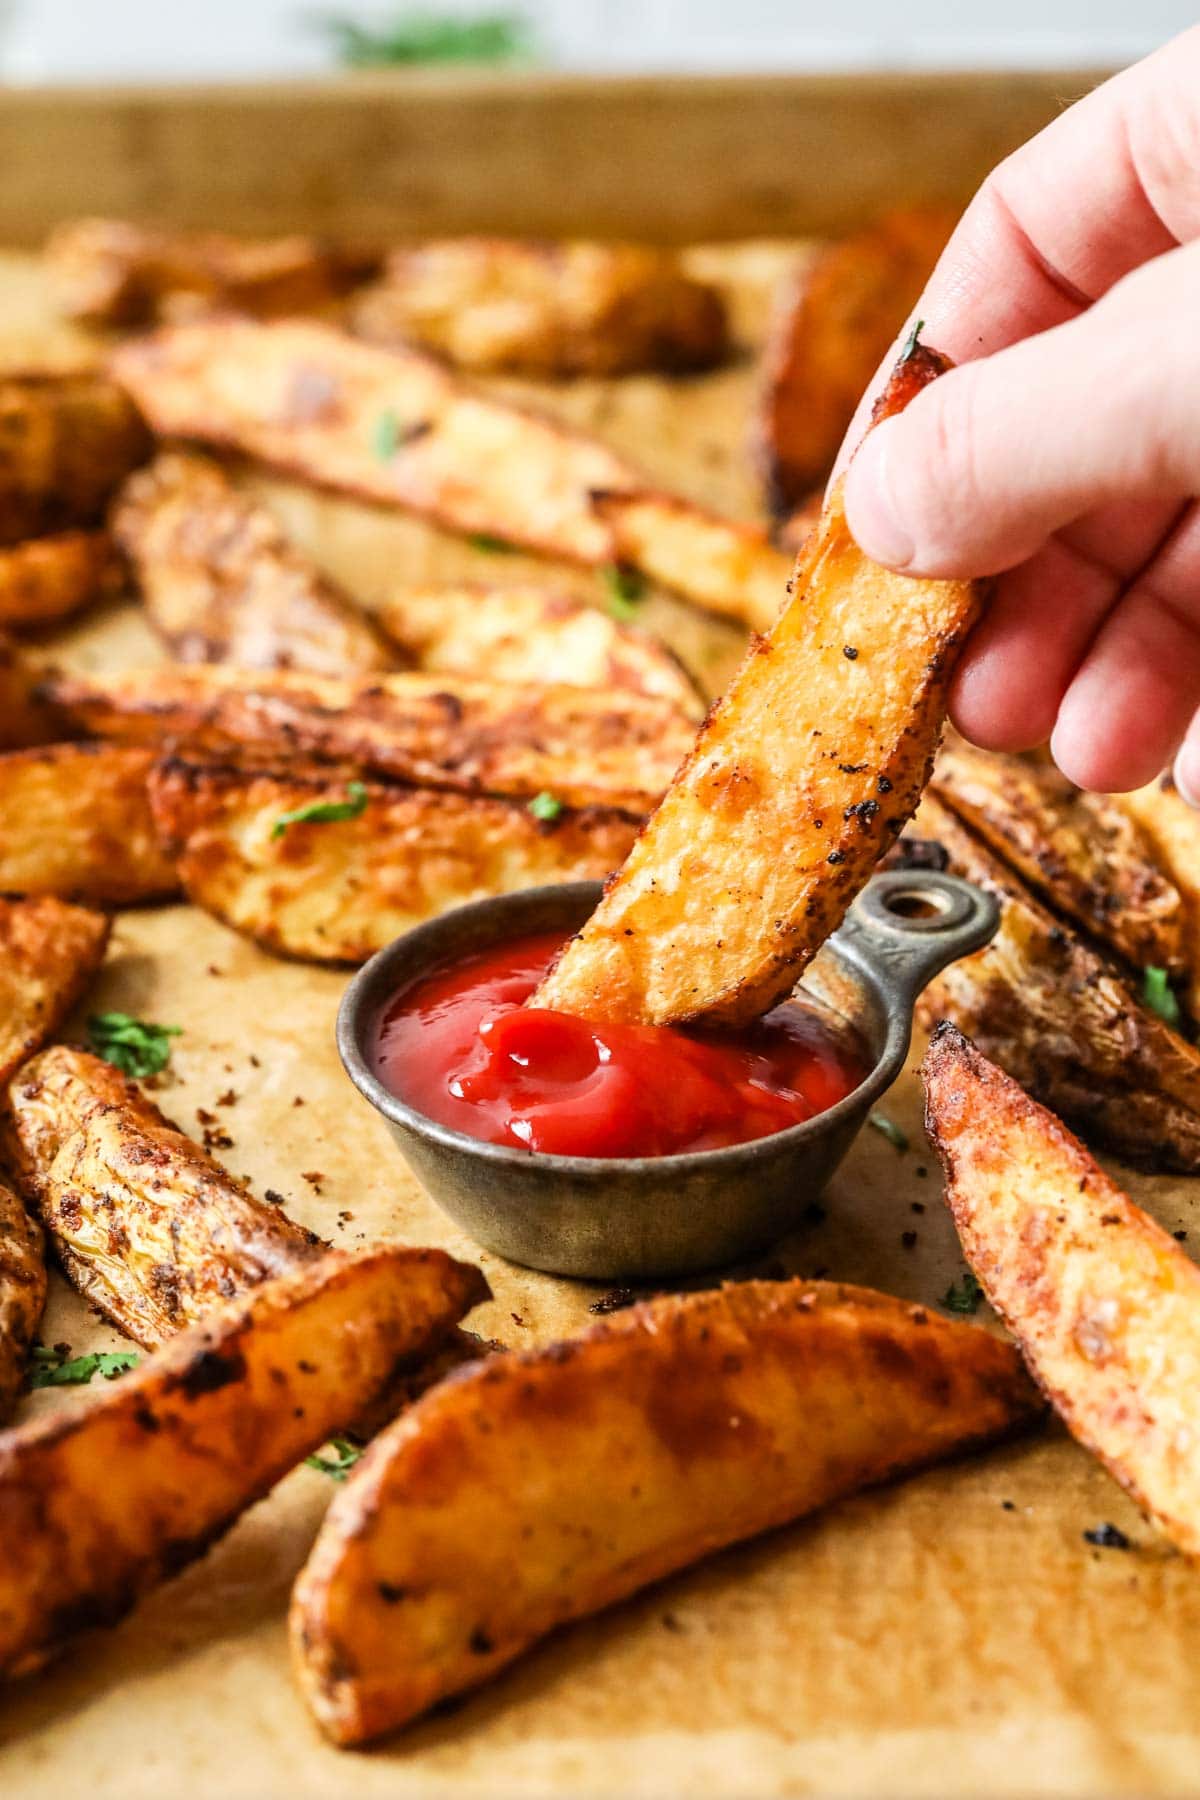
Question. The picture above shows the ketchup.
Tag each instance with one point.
(461, 1047)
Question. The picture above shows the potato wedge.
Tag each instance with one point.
(103, 1501)
(717, 564)
(801, 776)
(75, 821)
(391, 426)
(22, 1295)
(831, 329)
(48, 954)
(1080, 852)
(152, 1231)
(221, 583)
(48, 579)
(525, 634)
(336, 890)
(66, 442)
(112, 272)
(1102, 1301)
(587, 748)
(24, 719)
(1171, 828)
(548, 309)
(1061, 1018)
(607, 1462)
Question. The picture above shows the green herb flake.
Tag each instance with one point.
(52, 1370)
(385, 435)
(910, 342)
(415, 37)
(1158, 996)
(135, 1046)
(963, 1296)
(623, 587)
(886, 1128)
(339, 1465)
(325, 812)
(545, 806)
(491, 546)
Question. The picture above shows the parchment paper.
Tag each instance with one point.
(951, 1635)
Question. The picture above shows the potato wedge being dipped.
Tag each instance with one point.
(49, 952)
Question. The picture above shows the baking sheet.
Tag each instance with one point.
(954, 1634)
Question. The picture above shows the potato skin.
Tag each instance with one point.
(66, 442)
(48, 954)
(22, 1295)
(607, 1462)
(221, 583)
(718, 564)
(337, 891)
(48, 579)
(150, 1229)
(803, 774)
(549, 309)
(1102, 1301)
(75, 822)
(101, 1502)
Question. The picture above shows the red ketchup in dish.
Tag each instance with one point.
(461, 1047)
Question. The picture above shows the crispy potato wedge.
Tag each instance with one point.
(391, 426)
(66, 442)
(112, 272)
(830, 331)
(1081, 852)
(336, 890)
(525, 634)
(1171, 828)
(152, 1231)
(587, 748)
(75, 821)
(49, 952)
(22, 1294)
(803, 773)
(715, 563)
(24, 719)
(48, 579)
(1060, 1017)
(551, 309)
(607, 1462)
(1102, 1301)
(221, 583)
(102, 1501)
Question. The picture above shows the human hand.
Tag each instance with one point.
(1063, 457)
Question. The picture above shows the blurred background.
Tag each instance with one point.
(165, 40)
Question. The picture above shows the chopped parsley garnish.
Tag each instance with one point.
(52, 1370)
(910, 342)
(1157, 993)
(325, 812)
(135, 1046)
(483, 540)
(963, 1296)
(385, 435)
(623, 588)
(339, 1465)
(888, 1129)
(545, 806)
(418, 37)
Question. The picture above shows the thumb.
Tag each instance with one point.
(986, 462)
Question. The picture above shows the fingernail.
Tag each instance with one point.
(870, 510)
(1187, 774)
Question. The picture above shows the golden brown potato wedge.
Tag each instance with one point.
(1102, 1301)
(75, 821)
(102, 1501)
(338, 889)
(538, 308)
(587, 748)
(221, 583)
(112, 272)
(715, 563)
(48, 954)
(609, 1461)
(800, 778)
(22, 1295)
(150, 1229)
(1171, 828)
(66, 442)
(24, 719)
(391, 426)
(1080, 852)
(525, 634)
(830, 332)
(47, 579)
(1060, 1017)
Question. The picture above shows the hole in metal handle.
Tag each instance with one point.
(919, 903)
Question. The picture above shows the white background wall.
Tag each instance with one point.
(69, 40)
